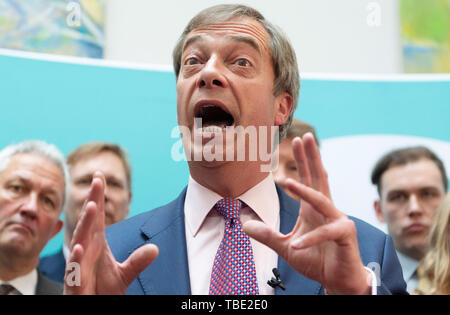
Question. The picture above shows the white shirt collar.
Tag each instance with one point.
(409, 265)
(66, 251)
(25, 284)
(261, 198)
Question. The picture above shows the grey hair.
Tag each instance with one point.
(284, 60)
(43, 149)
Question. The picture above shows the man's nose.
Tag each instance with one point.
(414, 206)
(31, 206)
(211, 75)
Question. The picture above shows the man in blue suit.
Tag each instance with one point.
(234, 69)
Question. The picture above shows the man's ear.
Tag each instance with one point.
(378, 211)
(283, 107)
(58, 227)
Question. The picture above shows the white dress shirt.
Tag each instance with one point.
(25, 284)
(409, 268)
(205, 228)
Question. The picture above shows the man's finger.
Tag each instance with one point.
(97, 193)
(336, 231)
(140, 259)
(302, 163)
(318, 174)
(319, 201)
(72, 282)
(85, 225)
(265, 235)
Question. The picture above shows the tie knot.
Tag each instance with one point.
(229, 208)
(7, 289)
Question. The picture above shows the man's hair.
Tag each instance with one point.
(284, 60)
(92, 148)
(435, 267)
(403, 157)
(299, 129)
(42, 149)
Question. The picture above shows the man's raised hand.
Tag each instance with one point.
(323, 245)
(99, 272)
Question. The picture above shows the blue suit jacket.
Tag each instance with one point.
(169, 273)
(54, 266)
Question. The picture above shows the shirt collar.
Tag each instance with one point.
(261, 198)
(25, 284)
(66, 251)
(409, 265)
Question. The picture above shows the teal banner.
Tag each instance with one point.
(70, 103)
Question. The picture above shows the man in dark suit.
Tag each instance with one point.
(33, 183)
(112, 160)
(411, 183)
(236, 75)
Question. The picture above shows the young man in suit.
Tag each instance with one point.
(411, 183)
(234, 69)
(33, 190)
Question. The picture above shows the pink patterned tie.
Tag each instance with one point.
(234, 267)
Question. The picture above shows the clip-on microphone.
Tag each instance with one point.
(276, 282)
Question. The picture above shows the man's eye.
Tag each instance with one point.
(292, 169)
(243, 62)
(17, 188)
(85, 181)
(48, 201)
(397, 197)
(115, 184)
(192, 61)
(428, 194)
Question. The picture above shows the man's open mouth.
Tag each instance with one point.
(213, 118)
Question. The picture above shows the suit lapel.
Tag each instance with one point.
(295, 282)
(169, 273)
(46, 286)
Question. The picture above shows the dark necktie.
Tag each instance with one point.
(234, 266)
(7, 289)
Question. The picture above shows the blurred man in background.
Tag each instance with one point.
(411, 183)
(33, 190)
(287, 166)
(111, 160)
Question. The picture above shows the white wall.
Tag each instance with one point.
(328, 35)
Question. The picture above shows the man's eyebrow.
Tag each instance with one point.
(192, 40)
(20, 178)
(237, 38)
(49, 190)
(400, 190)
(82, 176)
(247, 40)
(429, 188)
(115, 178)
(396, 191)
